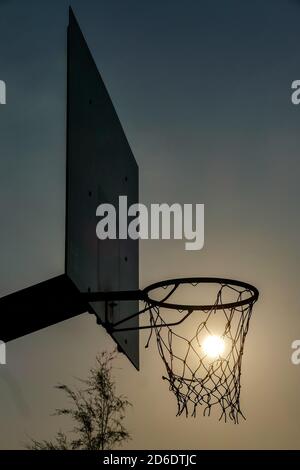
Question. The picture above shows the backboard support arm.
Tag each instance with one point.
(40, 306)
(110, 299)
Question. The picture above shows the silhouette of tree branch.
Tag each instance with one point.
(96, 410)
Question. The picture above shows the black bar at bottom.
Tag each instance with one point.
(189, 459)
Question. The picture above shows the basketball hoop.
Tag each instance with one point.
(202, 361)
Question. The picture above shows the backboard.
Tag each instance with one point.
(100, 168)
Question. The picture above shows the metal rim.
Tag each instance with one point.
(199, 280)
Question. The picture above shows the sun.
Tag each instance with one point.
(213, 346)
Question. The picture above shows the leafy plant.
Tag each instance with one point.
(97, 411)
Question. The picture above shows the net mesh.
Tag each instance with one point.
(197, 376)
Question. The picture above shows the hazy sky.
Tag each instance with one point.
(202, 89)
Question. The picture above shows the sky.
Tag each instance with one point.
(202, 89)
